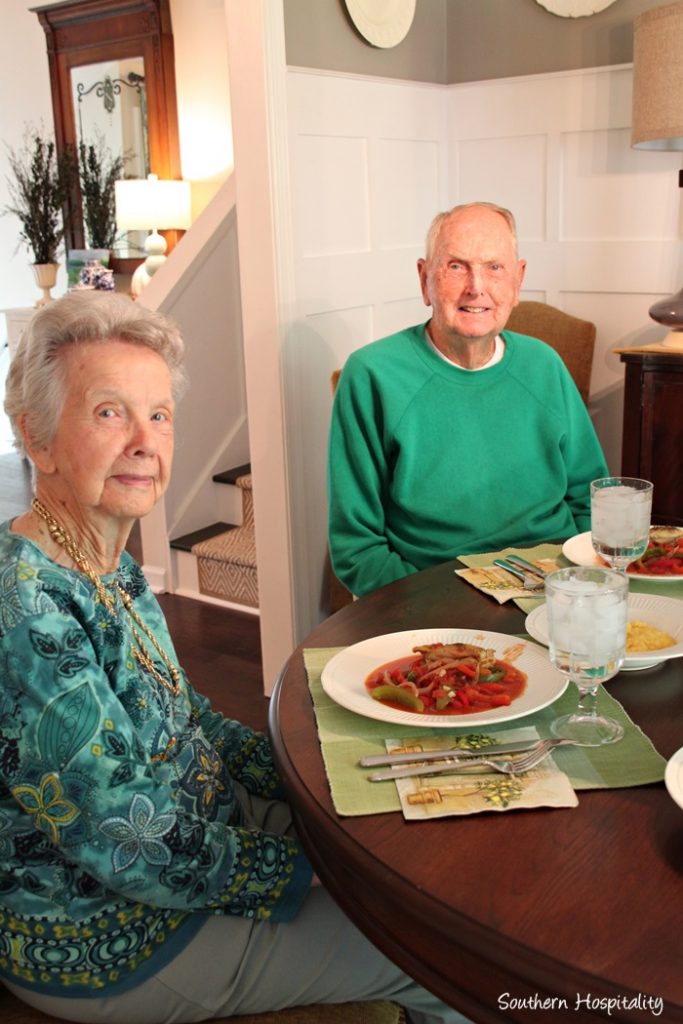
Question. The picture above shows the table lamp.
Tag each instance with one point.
(658, 115)
(147, 204)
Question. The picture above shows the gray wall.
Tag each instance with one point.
(463, 40)
(320, 34)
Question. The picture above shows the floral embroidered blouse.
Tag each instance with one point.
(120, 827)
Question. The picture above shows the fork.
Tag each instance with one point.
(508, 766)
(530, 582)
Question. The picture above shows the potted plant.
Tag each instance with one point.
(38, 191)
(97, 172)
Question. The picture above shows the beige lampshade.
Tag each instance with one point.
(143, 204)
(658, 78)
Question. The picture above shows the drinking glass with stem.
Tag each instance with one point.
(620, 519)
(587, 616)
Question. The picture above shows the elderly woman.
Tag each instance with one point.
(147, 865)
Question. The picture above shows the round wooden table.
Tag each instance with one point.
(507, 917)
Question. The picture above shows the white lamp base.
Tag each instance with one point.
(139, 280)
(155, 247)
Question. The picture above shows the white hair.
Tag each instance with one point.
(437, 223)
(36, 382)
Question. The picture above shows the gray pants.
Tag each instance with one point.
(235, 965)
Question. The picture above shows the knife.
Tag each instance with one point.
(444, 768)
(527, 566)
(448, 753)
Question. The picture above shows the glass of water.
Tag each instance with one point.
(620, 519)
(587, 615)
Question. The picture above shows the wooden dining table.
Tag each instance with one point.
(531, 915)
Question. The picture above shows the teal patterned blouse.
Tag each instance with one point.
(120, 827)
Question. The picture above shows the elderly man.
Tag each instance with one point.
(456, 436)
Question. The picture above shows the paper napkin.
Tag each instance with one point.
(440, 796)
(503, 586)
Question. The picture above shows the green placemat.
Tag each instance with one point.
(527, 604)
(345, 737)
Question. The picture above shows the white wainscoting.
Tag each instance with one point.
(598, 221)
(371, 161)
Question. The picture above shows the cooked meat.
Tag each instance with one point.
(442, 658)
(434, 652)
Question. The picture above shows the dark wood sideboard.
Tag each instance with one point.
(652, 443)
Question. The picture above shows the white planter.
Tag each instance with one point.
(46, 278)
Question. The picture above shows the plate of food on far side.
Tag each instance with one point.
(661, 563)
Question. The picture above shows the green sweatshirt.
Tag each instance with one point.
(428, 461)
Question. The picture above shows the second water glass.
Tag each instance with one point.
(621, 509)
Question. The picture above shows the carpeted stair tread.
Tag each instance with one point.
(231, 476)
(226, 561)
(237, 545)
(188, 540)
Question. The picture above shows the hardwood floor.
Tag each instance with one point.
(219, 649)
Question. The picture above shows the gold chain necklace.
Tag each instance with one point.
(140, 652)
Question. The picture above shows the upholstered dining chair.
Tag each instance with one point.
(572, 338)
(13, 1011)
(574, 341)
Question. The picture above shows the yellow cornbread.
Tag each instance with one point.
(640, 636)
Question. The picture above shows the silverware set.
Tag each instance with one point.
(531, 576)
(448, 762)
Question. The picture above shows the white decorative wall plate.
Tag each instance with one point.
(383, 23)
(574, 8)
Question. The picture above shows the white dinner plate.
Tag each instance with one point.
(580, 550)
(663, 612)
(673, 777)
(343, 678)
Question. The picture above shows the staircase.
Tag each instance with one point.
(218, 563)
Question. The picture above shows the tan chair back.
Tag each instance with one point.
(573, 339)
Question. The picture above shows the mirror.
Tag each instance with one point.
(112, 77)
(110, 105)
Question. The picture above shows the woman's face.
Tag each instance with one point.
(111, 456)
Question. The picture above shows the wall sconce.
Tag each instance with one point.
(658, 115)
(148, 204)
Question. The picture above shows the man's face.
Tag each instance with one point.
(473, 278)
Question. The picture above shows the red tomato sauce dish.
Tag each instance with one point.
(446, 679)
(664, 553)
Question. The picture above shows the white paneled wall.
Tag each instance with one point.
(372, 161)
(598, 221)
(369, 167)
